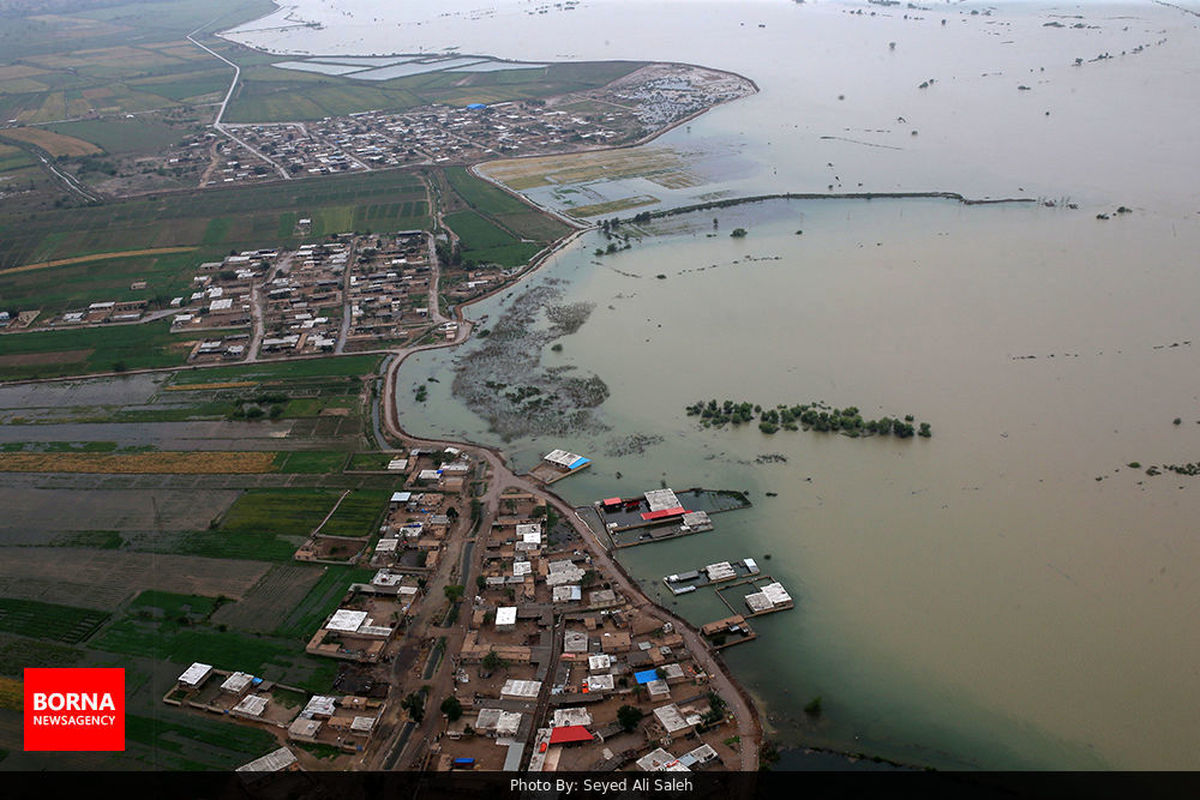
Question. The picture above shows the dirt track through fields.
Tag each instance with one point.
(64, 262)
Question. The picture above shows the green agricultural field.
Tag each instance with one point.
(309, 462)
(510, 255)
(477, 233)
(168, 640)
(13, 158)
(45, 354)
(359, 514)
(180, 741)
(266, 373)
(271, 94)
(321, 601)
(284, 512)
(253, 216)
(370, 461)
(18, 652)
(505, 209)
(49, 621)
(122, 135)
(122, 24)
(261, 525)
(75, 286)
(153, 604)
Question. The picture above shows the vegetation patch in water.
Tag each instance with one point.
(504, 382)
(808, 416)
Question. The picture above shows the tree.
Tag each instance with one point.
(454, 592)
(414, 704)
(452, 708)
(492, 661)
(628, 717)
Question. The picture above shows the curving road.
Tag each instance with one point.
(217, 124)
(745, 714)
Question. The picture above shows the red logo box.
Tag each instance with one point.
(74, 709)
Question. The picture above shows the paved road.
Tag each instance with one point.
(217, 124)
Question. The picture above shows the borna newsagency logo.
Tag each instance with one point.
(74, 709)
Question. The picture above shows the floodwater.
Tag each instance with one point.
(1009, 593)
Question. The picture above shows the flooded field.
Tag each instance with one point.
(1012, 592)
(963, 600)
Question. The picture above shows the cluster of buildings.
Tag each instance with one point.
(299, 151)
(433, 134)
(346, 722)
(103, 311)
(663, 94)
(389, 289)
(222, 299)
(231, 164)
(368, 619)
(552, 652)
(627, 109)
(421, 517)
(303, 299)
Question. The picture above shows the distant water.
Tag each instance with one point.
(981, 598)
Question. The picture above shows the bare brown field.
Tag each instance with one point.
(164, 463)
(63, 262)
(268, 602)
(58, 357)
(103, 579)
(197, 387)
(53, 143)
(14, 71)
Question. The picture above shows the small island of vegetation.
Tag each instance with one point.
(809, 416)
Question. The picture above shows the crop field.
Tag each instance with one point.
(155, 604)
(293, 372)
(11, 694)
(169, 640)
(271, 94)
(248, 217)
(56, 144)
(483, 242)
(13, 158)
(613, 206)
(112, 349)
(186, 742)
(502, 207)
(68, 517)
(59, 623)
(161, 463)
(322, 600)
(286, 512)
(103, 579)
(278, 594)
(477, 233)
(309, 462)
(113, 60)
(527, 173)
(358, 514)
(262, 525)
(17, 653)
(121, 135)
(371, 461)
(75, 283)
